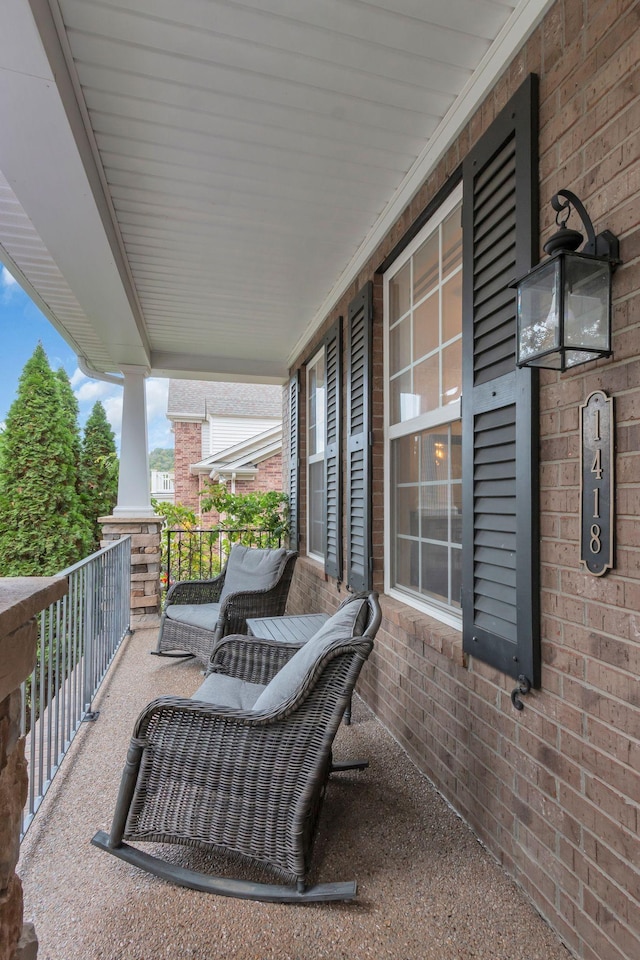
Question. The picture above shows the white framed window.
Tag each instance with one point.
(166, 482)
(423, 429)
(316, 433)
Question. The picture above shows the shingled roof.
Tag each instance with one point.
(197, 399)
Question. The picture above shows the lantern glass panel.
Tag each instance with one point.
(586, 297)
(538, 312)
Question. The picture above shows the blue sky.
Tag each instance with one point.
(22, 325)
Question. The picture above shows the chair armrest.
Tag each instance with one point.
(239, 607)
(196, 591)
(250, 658)
(169, 709)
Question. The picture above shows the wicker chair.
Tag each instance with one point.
(198, 613)
(242, 767)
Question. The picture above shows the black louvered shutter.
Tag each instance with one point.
(359, 565)
(294, 461)
(500, 592)
(333, 464)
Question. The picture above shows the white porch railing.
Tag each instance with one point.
(78, 638)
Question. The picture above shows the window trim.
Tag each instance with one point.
(320, 354)
(444, 415)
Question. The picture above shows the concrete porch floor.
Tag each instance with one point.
(427, 890)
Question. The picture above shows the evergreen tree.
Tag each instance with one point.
(42, 529)
(70, 411)
(98, 469)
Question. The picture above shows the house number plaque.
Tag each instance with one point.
(596, 509)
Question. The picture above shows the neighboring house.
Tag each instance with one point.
(162, 485)
(225, 432)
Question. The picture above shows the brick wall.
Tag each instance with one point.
(188, 450)
(267, 479)
(553, 791)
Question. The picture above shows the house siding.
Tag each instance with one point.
(222, 432)
(553, 791)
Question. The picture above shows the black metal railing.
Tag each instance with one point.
(78, 637)
(201, 554)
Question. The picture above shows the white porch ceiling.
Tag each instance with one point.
(188, 187)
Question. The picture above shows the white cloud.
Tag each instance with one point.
(113, 409)
(92, 390)
(8, 285)
(77, 377)
(157, 392)
(6, 280)
(158, 427)
(88, 391)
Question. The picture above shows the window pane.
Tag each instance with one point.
(400, 293)
(400, 346)
(426, 267)
(455, 469)
(407, 572)
(426, 512)
(316, 508)
(456, 576)
(316, 407)
(435, 512)
(452, 242)
(434, 581)
(316, 430)
(456, 450)
(406, 459)
(404, 405)
(426, 383)
(407, 510)
(456, 513)
(451, 373)
(405, 462)
(435, 455)
(426, 327)
(452, 308)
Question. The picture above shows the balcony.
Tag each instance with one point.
(426, 887)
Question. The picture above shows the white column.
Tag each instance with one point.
(134, 496)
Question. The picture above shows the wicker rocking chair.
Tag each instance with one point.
(198, 613)
(242, 767)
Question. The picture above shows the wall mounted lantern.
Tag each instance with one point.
(564, 303)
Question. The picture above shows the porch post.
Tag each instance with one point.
(134, 514)
(134, 497)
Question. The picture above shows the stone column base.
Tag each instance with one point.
(27, 948)
(145, 561)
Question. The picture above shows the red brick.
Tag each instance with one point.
(568, 763)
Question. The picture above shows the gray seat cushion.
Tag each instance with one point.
(344, 624)
(250, 568)
(226, 691)
(202, 615)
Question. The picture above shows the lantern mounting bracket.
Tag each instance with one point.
(605, 245)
